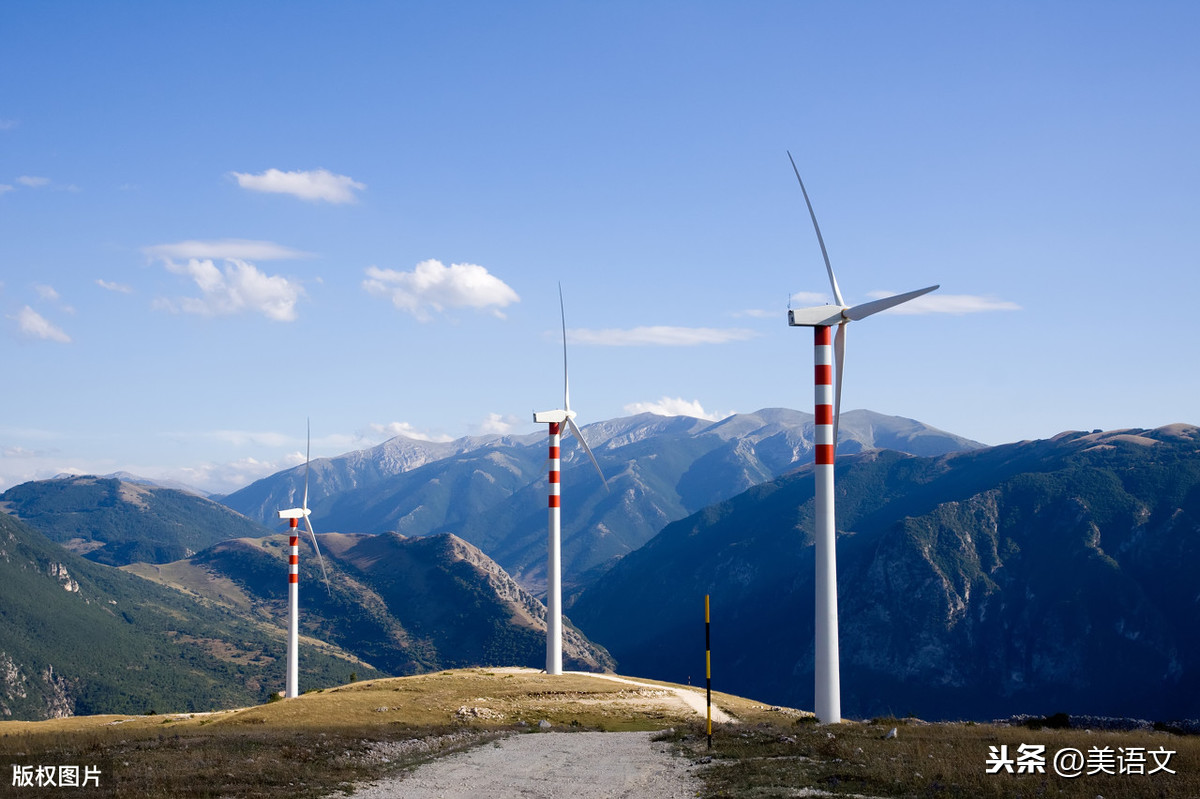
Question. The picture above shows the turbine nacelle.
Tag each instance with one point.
(819, 316)
(294, 513)
(551, 417)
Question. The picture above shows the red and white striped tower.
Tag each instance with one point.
(827, 675)
(829, 359)
(554, 562)
(293, 653)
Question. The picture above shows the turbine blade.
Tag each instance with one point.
(875, 306)
(588, 450)
(837, 293)
(839, 357)
(566, 383)
(313, 536)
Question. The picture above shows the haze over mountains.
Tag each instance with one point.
(490, 490)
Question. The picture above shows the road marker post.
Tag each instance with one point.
(708, 669)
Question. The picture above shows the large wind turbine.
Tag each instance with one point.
(828, 402)
(293, 515)
(554, 558)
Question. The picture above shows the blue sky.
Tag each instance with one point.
(220, 219)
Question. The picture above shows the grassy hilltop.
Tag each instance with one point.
(324, 741)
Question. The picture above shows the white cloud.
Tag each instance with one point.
(433, 285)
(34, 325)
(956, 304)
(405, 429)
(4, 188)
(675, 406)
(315, 185)
(501, 425)
(45, 292)
(117, 287)
(239, 287)
(660, 336)
(241, 249)
(7, 124)
(33, 182)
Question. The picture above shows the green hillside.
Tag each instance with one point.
(116, 522)
(78, 637)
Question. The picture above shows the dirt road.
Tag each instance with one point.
(578, 765)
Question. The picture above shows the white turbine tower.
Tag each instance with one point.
(293, 515)
(828, 408)
(554, 558)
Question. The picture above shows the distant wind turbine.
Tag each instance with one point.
(828, 401)
(293, 515)
(554, 559)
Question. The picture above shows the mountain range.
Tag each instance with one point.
(491, 490)
(1035, 577)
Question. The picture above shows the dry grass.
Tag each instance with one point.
(194, 580)
(782, 759)
(320, 741)
(493, 698)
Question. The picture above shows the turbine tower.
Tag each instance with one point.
(554, 558)
(293, 515)
(828, 408)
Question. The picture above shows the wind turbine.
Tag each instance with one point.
(293, 515)
(828, 402)
(554, 558)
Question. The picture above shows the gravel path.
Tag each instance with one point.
(578, 765)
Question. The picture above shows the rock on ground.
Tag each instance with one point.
(579, 765)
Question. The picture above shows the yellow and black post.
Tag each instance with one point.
(708, 669)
